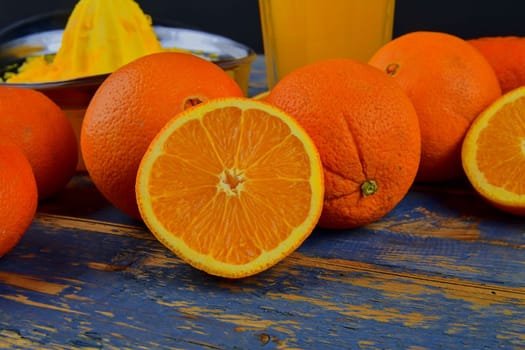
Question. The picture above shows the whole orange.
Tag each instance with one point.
(366, 131)
(506, 54)
(18, 195)
(36, 124)
(130, 108)
(449, 83)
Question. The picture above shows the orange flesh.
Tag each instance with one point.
(501, 148)
(239, 182)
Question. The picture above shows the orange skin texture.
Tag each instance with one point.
(18, 196)
(506, 55)
(364, 127)
(131, 107)
(40, 128)
(449, 83)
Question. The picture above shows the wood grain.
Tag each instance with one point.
(83, 283)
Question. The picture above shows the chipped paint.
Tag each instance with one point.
(508, 335)
(105, 313)
(174, 304)
(76, 297)
(31, 283)
(430, 225)
(244, 322)
(366, 344)
(391, 287)
(99, 266)
(457, 328)
(444, 262)
(129, 325)
(11, 338)
(22, 299)
(477, 295)
(158, 260)
(386, 315)
(66, 222)
(48, 329)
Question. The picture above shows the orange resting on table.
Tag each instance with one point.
(506, 54)
(232, 186)
(367, 133)
(36, 124)
(493, 153)
(132, 105)
(18, 195)
(449, 83)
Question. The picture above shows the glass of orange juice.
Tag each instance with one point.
(298, 32)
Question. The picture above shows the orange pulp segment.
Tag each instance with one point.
(232, 186)
(493, 152)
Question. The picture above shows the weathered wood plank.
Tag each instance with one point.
(79, 284)
(447, 231)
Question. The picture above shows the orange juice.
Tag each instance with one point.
(298, 32)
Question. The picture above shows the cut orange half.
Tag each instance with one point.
(232, 186)
(493, 152)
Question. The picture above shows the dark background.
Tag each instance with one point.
(239, 19)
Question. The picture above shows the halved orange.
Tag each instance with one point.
(232, 186)
(493, 152)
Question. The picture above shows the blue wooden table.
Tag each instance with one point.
(442, 271)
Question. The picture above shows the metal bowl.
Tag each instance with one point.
(42, 35)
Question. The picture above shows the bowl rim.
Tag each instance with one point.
(56, 20)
